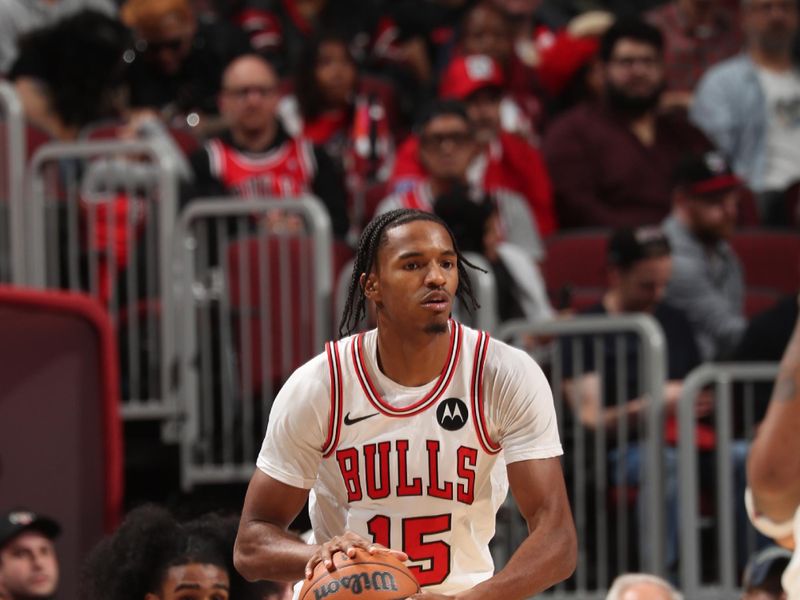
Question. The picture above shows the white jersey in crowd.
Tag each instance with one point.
(417, 469)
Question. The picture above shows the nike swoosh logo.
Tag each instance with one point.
(354, 420)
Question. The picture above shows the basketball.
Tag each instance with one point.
(363, 577)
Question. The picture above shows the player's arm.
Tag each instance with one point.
(773, 467)
(264, 549)
(549, 553)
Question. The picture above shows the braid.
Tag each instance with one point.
(371, 239)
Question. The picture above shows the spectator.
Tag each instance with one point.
(639, 267)
(152, 556)
(505, 161)
(707, 279)
(750, 105)
(772, 467)
(639, 586)
(521, 292)
(697, 35)
(18, 17)
(611, 163)
(72, 73)
(256, 157)
(28, 561)
(485, 29)
(179, 61)
(447, 147)
(762, 576)
(344, 113)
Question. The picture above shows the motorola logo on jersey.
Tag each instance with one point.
(452, 414)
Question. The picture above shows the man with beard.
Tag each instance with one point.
(256, 158)
(750, 105)
(611, 162)
(706, 280)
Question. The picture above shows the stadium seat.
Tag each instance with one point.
(574, 268)
(60, 431)
(771, 260)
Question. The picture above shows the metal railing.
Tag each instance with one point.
(100, 218)
(604, 503)
(714, 573)
(255, 279)
(12, 174)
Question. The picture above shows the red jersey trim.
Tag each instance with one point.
(430, 398)
(489, 445)
(335, 415)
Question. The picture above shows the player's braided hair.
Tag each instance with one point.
(371, 240)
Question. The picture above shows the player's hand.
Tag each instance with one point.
(347, 543)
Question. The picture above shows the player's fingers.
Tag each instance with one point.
(377, 548)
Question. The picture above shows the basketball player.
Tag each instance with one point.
(407, 436)
(773, 467)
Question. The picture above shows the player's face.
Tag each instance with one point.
(28, 566)
(194, 581)
(642, 286)
(416, 277)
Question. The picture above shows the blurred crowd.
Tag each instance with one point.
(670, 123)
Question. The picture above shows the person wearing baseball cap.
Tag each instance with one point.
(707, 279)
(28, 562)
(508, 161)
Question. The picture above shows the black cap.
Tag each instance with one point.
(628, 246)
(764, 569)
(705, 174)
(14, 522)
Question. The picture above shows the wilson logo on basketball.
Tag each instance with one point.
(377, 580)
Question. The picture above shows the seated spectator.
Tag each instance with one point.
(521, 292)
(72, 73)
(749, 106)
(256, 157)
(486, 30)
(447, 147)
(505, 161)
(18, 17)
(639, 586)
(697, 35)
(639, 267)
(611, 163)
(335, 109)
(28, 561)
(152, 556)
(179, 61)
(762, 576)
(707, 279)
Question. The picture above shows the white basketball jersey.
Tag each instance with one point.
(416, 469)
(416, 478)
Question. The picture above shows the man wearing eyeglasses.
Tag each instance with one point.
(447, 151)
(750, 105)
(611, 162)
(256, 157)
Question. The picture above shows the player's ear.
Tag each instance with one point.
(369, 284)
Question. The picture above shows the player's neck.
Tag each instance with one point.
(411, 358)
